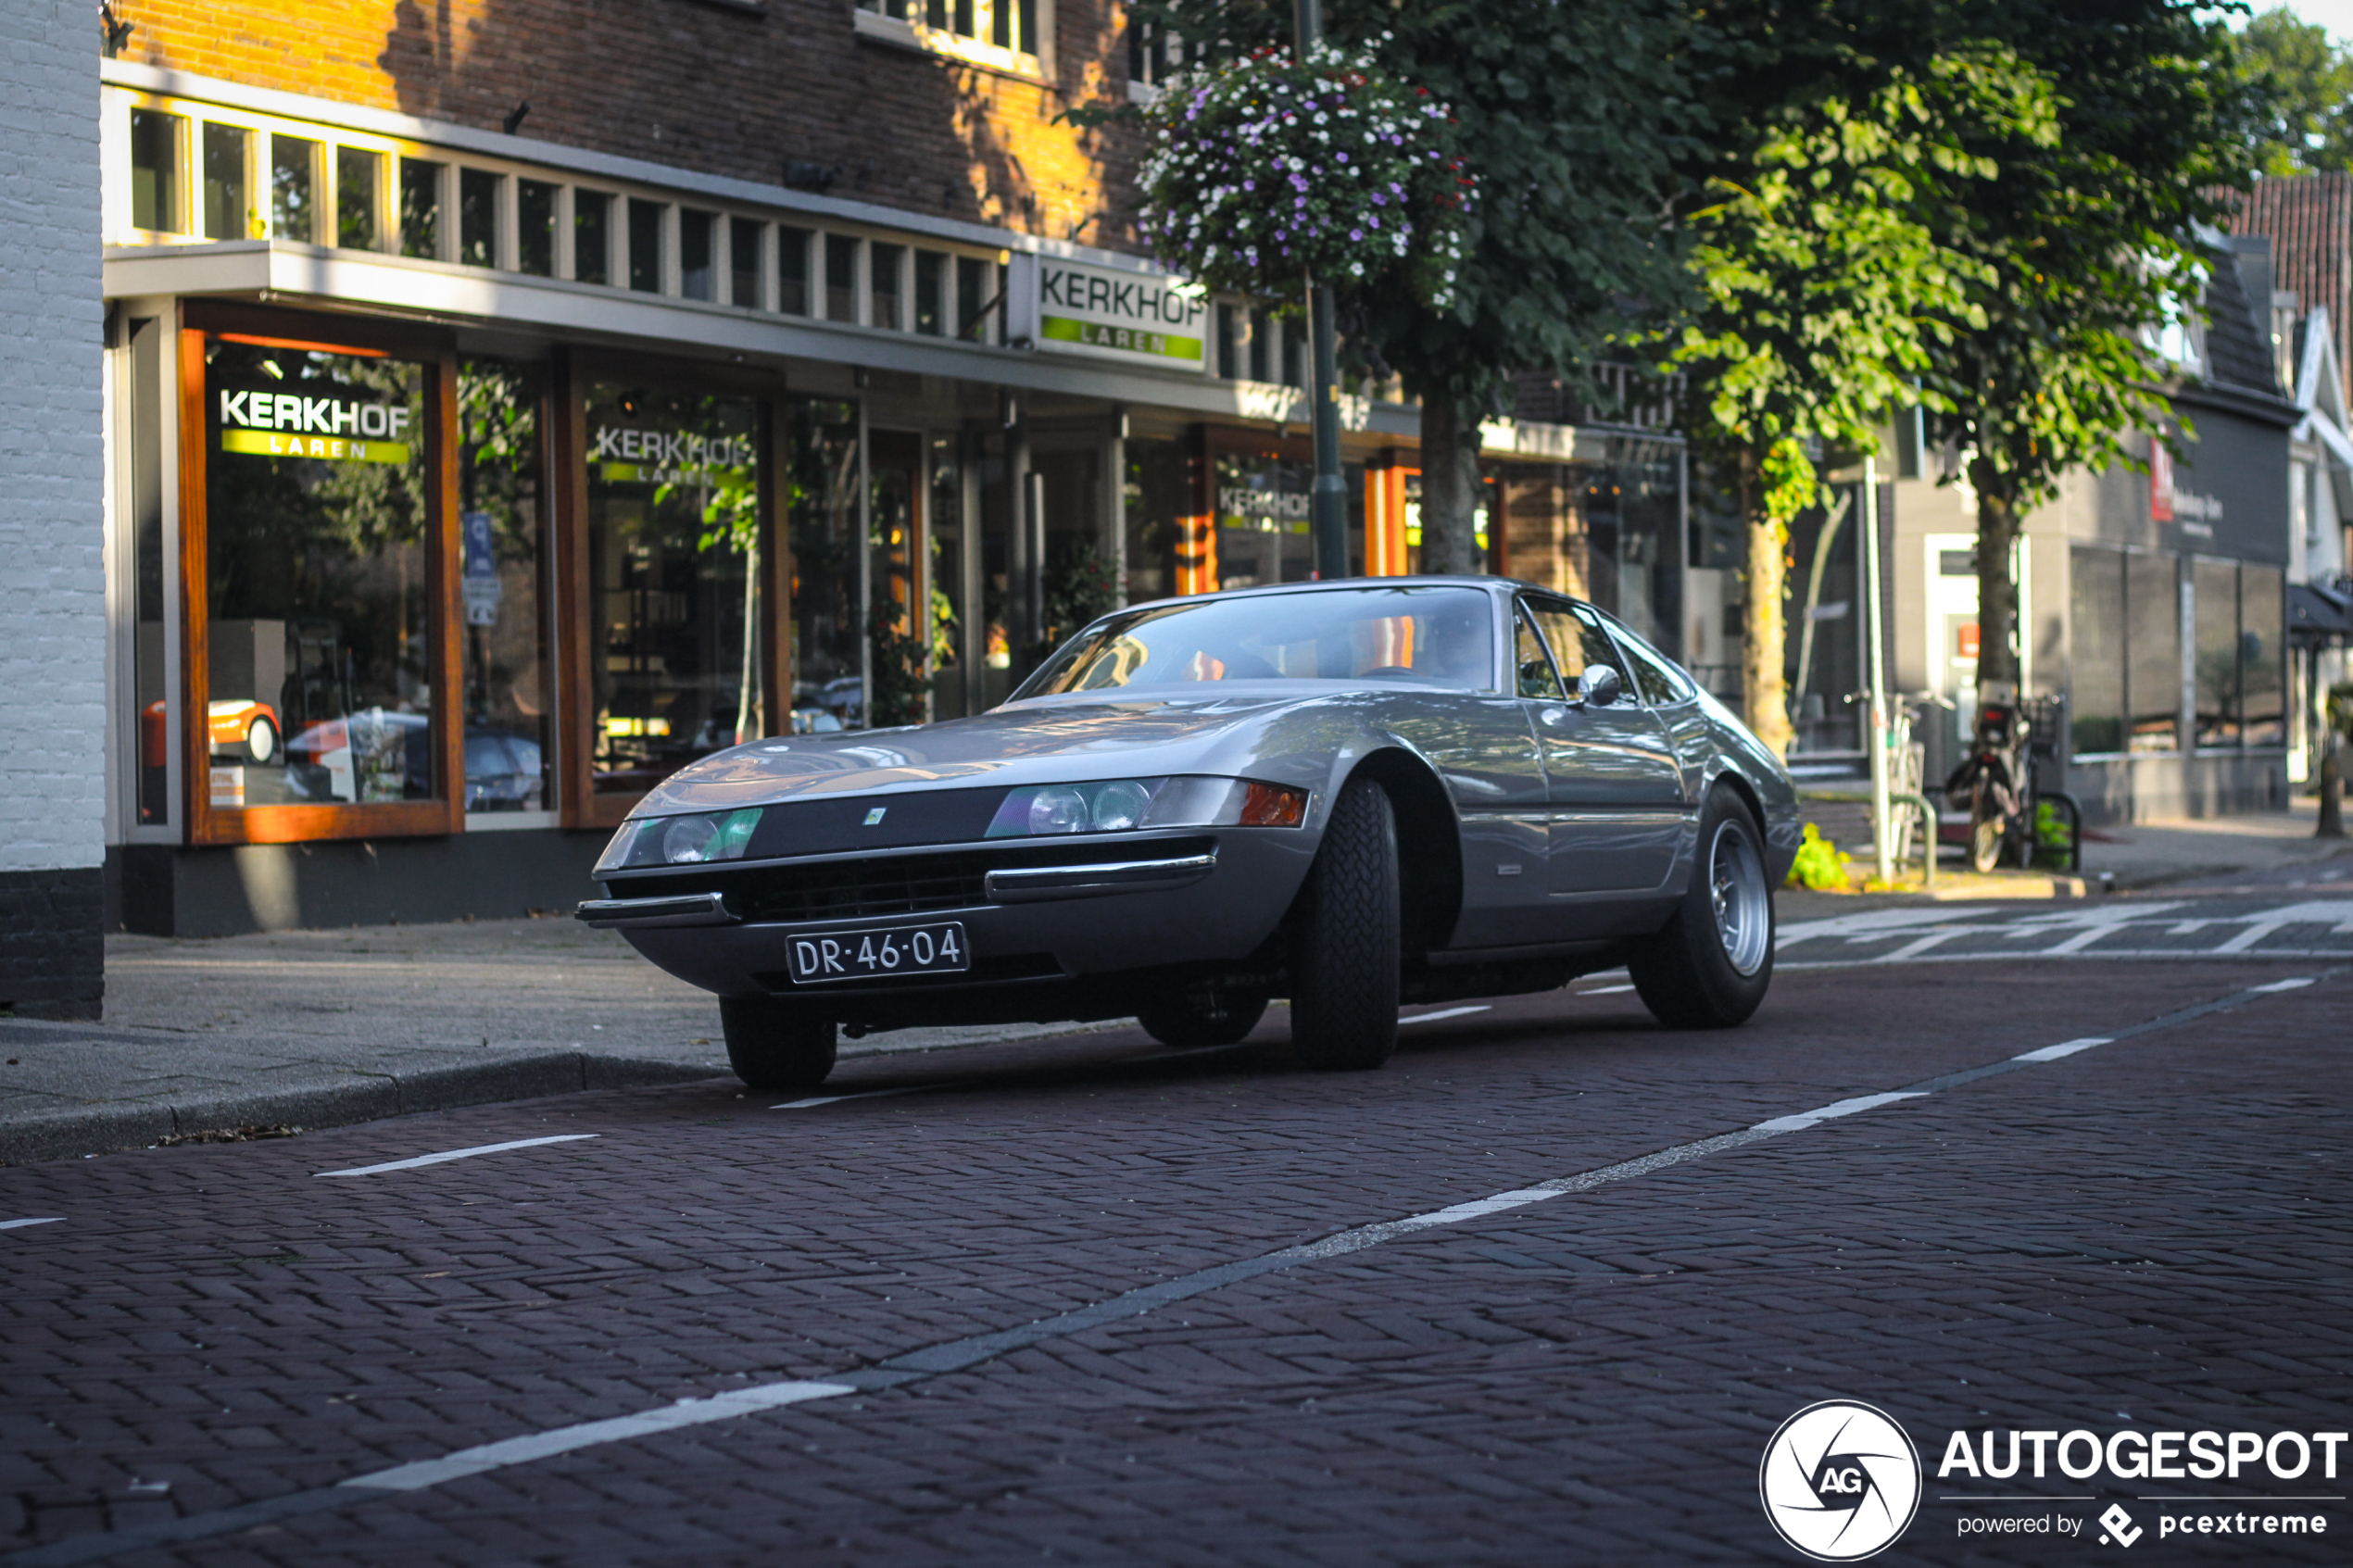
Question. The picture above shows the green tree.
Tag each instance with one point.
(1823, 282)
(2306, 83)
(1571, 117)
(2086, 243)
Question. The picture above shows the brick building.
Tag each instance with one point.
(513, 400)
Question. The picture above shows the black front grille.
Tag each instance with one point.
(790, 891)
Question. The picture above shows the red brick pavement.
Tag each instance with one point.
(2153, 1228)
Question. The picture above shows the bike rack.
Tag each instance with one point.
(1927, 834)
(2074, 825)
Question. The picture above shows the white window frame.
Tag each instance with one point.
(870, 20)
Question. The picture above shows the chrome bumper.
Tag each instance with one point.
(637, 914)
(1023, 884)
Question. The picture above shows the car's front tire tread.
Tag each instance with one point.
(773, 1044)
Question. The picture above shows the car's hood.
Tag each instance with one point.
(1046, 740)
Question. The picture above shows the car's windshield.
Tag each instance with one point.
(1365, 635)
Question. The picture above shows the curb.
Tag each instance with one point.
(363, 1097)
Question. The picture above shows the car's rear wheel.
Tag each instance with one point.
(262, 741)
(1710, 967)
(1219, 1018)
(773, 1045)
(1343, 1008)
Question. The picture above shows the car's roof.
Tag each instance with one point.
(1423, 580)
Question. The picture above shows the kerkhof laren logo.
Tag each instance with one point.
(1841, 1481)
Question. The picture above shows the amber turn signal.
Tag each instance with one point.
(1274, 806)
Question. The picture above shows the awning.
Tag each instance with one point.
(2319, 615)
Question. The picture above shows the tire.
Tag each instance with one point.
(262, 741)
(773, 1045)
(1344, 984)
(1705, 970)
(1224, 1018)
(1987, 835)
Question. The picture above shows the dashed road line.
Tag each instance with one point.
(956, 1355)
(814, 1101)
(449, 1154)
(1448, 1012)
(20, 1224)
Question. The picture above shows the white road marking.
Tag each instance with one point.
(1805, 1118)
(20, 1224)
(1920, 944)
(1604, 990)
(449, 1154)
(2251, 936)
(2068, 1048)
(1449, 1012)
(815, 1100)
(2083, 939)
(2297, 983)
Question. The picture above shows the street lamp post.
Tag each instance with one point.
(1328, 503)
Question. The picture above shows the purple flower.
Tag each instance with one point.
(1356, 233)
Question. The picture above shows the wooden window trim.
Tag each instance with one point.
(288, 824)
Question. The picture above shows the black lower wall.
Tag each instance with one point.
(166, 890)
(53, 955)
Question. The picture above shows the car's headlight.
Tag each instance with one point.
(679, 841)
(1118, 805)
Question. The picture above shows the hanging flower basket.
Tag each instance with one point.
(1265, 173)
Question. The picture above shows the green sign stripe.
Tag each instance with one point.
(326, 449)
(1130, 340)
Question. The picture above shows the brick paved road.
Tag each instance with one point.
(2150, 1234)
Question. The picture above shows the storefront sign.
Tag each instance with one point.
(627, 455)
(289, 424)
(1141, 318)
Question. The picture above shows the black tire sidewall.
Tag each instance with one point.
(1684, 976)
(773, 1044)
(1345, 980)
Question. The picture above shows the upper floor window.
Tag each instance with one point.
(1006, 34)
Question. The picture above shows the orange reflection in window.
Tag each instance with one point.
(1201, 667)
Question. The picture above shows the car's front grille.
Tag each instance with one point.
(790, 891)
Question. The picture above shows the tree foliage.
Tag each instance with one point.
(2304, 116)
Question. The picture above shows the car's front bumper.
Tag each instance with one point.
(1032, 916)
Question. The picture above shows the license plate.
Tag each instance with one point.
(876, 955)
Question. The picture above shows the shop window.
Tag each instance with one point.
(293, 189)
(743, 262)
(945, 534)
(317, 685)
(478, 217)
(1261, 502)
(645, 246)
(420, 208)
(155, 169)
(535, 228)
(1075, 583)
(822, 516)
(227, 214)
(842, 278)
(359, 194)
(885, 287)
(2153, 652)
(592, 237)
(2214, 595)
(2096, 670)
(931, 314)
(2262, 672)
(974, 299)
(674, 540)
(897, 619)
(696, 243)
(149, 690)
(509, 738)
(792, 270)
(1162, 540)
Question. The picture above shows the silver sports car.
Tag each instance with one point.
(1352, 795)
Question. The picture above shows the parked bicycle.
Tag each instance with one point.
(1998, 780)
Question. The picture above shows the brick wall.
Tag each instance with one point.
(702, 85)
(52, 618)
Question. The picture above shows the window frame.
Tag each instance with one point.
(895, 23)
(208, 825)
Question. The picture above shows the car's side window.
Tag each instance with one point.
(1577, 642)
(1659, 684)
(1534, 667)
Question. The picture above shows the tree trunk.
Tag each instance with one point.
(1996, 590)
(1764, 624)
(1450, 486)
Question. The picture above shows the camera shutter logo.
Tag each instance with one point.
(1841, 1481)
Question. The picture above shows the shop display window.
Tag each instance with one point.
(820, 507)
(478, 217)
(898, 614)
(2153, 651)
(359, 186)
(509, 738)
(2214, 589)
(421, 208)
(227, 216)
(674, 526)
(592, 237)
(2096, 670)
(1163, 542)
(316, 688)
(2263, 670)
(535, 228)
(155, 169)
(149, 690)
(948, 594)
(1260, 498)
(293, 189)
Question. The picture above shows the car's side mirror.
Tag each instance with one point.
(1598, 686)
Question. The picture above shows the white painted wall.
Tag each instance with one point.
(53, 618)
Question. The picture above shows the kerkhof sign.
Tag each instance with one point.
(290, 424)
(1138, 316)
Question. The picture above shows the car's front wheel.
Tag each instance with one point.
(1343, 1005)
(1220, 1018)
(1710, 968)
(773, 1044)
